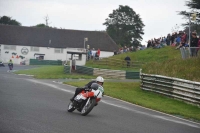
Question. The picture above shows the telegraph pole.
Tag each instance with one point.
(46, 20)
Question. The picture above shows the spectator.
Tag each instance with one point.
(198, 46)
(96, 56)
(125, 49)
(131, 48)
(183, 42)
(194, 44)
(164, 41)
(172, 39)
(89, 53)
(115, 52)
(98, 53)
(128, 60)
(138, 48)
(183, 38)
(121, 50)
(168, 39)
(93, 53)
(178, 42)
(149, 44)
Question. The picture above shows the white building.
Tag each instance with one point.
(24, 43)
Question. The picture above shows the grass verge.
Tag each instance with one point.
(131, 92)
(52, 72)
(165, 61)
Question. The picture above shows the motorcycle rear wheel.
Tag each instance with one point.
(71, 107)
(87, 108)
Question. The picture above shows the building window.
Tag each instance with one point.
(77, 56)
(9, 47)
(58, 50)
(35, 49)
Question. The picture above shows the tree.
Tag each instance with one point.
(124, 26)
(40, 25)
(194, 5)
(44, 26)
(8, 21)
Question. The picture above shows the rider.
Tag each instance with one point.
(99, 80)
(10, 62)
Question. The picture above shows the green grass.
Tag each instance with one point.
(151, 55)
(164, 61)
(52, 72)
(145, 56)
(131, 92)
(184, 69)
(93, 65)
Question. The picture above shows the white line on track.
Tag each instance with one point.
(154, 116)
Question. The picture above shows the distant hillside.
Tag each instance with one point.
(165, 61)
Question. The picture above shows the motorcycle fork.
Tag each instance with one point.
(75, 104)
(87, 101)
(80, 107)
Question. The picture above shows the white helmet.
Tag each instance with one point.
(100, 79)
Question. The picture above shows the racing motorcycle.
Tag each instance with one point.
(85, 101)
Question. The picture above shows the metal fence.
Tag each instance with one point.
(107, 73)
(67, 69)
(187, 52)
(117, 63)
(185, 90)
(84, 70)
(45, 62)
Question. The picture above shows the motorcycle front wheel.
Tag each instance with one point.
(87, 108)
(71, 107)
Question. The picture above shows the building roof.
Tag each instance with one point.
(56, 38)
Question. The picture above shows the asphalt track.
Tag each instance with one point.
(29, 105)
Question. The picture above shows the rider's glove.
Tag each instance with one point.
(86, 89)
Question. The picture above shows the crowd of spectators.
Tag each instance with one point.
(178, 40)
(175, 39)
(129, 49)
(93, 54)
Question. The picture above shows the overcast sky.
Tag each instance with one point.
(159, 16)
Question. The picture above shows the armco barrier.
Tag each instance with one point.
(67, 69)
(132, 75)
(108, 73)
(185, 90)
(84, 70)
(45, 62)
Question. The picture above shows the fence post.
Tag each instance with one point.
(140, 73)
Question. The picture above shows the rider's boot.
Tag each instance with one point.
(72, 99)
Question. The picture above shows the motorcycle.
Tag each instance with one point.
(1, 64)
(84, 102)
(10, 65)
